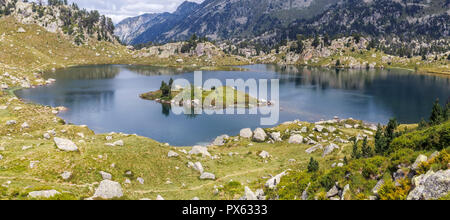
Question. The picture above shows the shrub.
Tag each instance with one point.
(403, 156)
(437, 114)
(391, 192)
(313, 166)
(374, 167)
(440, 162)
(293, 185)
(232, 188)
(356, 153)
(334, 175)
(432, 138)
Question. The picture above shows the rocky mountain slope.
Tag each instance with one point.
(271, 21)
(358, 53)
(148, 27)
(407, 19)
(57, 17)
(221, 19)
(130, 28)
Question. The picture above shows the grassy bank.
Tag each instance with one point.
(39, 166)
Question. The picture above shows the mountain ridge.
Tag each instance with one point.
(130, 30)
(276, 20)
(58, 16)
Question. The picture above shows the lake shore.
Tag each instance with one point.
(32, 159)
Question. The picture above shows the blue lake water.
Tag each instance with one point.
(106, 98)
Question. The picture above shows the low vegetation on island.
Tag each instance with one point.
(215, 97)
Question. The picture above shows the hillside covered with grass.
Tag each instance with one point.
(44, 157)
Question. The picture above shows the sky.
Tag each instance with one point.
(121, 9)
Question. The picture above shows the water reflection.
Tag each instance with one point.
(106, 98)
(85, 72)
(166, 108)
(156, 71)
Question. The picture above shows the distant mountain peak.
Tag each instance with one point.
(186, 7)
(147, 27)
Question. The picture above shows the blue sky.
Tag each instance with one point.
(120, 9)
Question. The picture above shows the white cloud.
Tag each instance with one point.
(120, 9)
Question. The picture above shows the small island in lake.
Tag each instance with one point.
(214, 98)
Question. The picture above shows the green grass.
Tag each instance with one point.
(216, 97)
(26, 54)
(144, 157)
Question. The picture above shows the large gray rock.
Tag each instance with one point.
(346, 192)
(401, 174)
(200, 150)
(264, 155)
(305, 192)
(108, 190)
(378, 187)
(196, 166)
(334, 191)
(246, 133)
(348, 126)
(46, 136)
(430, 186)
(260, 195)
(276, 136)
(21, 30)
(220, 141)
(43, 194)
(319, 128)
(207, 176)
(329, 149)
(11, 122)
(172, 154)
(65, 145)
(331, 129)
(118, 143)
(304, 130)
(296, 139)
(25, 125)
(372, 127)
(420, 159)
(105, 175)
(66, 175)
(249, 195)
(259, 135)
(340, 140)
(313, 149)
(274, 181)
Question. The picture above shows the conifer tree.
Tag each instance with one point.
(447, 112)
(366, 149)
(313, 166)
(380, 140)
(390, 130)
(316, 42)
(437, 115)
(423, 124)
(356, 154)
